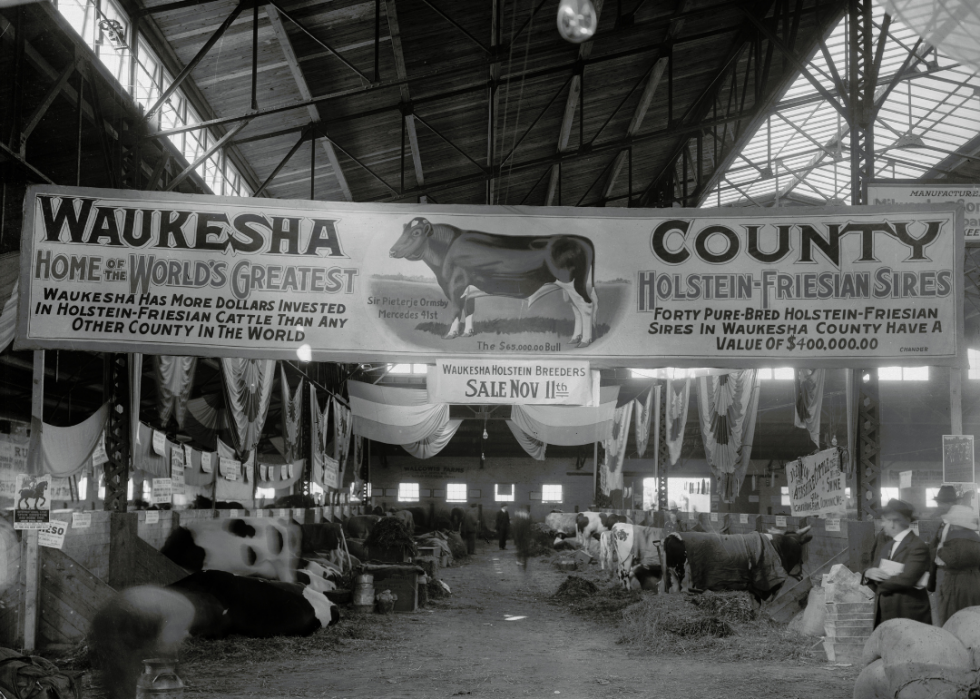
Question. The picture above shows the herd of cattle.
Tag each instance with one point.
(264, 577)
(652, 558)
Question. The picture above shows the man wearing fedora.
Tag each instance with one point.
(955, 556)
(903, 562)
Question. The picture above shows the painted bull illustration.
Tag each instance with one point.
(471, 264)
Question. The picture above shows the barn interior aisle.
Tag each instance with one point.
(464, 645)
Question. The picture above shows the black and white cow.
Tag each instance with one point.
(592, 524)
(640, 555)
(469, 264)
(755, 562)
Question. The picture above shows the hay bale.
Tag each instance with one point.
(728, 606)
(456, 545)
(575, 587)
(660, 622)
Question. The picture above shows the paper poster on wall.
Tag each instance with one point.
(152, 517)
(817, 486)
(32, 501)
(958, 462)
(781, 521)
(206, 462)
(177, 470)
(904, 479)
(216, 276)
(230, 469)
(81, 520)
(99, 456)
(743, 519)
(159, 443)
(53, 535)
(13, 460)
(832, 524)
(890, 192)
(161, 491)
(284, 472)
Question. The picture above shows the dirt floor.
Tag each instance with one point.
(496, 636)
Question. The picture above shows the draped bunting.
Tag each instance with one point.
(568, 425)
(809, 400)
(534, 447)
(9, 285)
(643, 410)
(615, 449)
(325, 467)
(174, 377)
(205, 420)
(292, 415)
(357, 461)
(727, 408)
(434, 443)
(248, 390)
(395, 415)
(342, 425)
(64, 451)
(676, 408)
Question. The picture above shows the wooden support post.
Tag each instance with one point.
(32, 566)
(956, 400)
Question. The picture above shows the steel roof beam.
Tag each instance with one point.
(406, 99)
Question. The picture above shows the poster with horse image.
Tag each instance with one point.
(33, 502)
(119, 271)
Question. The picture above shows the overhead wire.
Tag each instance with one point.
(520, 97)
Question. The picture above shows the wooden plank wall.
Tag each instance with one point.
(70, 597)
(150, 567)
(155, 534)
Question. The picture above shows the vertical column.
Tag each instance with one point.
(869, 447)
(117, 449)
(32, 567)
(663, 456)
(956, 400)
(861, 79)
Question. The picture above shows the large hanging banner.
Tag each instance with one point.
(893, 192)
(817, 487)
(164, 273)
(508, 382)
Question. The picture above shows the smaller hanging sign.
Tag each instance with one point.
(152, 517)
(177, 470)
(904, 479)
(512, 382)
(159, 443)
(284, 471)
(233, 513)
(206, 462)
(229, 468)
(161, 491)
(99, 456)
(81, 520)
(743, 519)
(958, 466)
(714, 516)
(780, 521)
(832, 525)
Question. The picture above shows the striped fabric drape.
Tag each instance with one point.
(809, 400)
(676, 408)
(727, 408)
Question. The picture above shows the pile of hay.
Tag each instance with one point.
(575, 588)
(542, 542)
(721, 624)
(728, 606)
(435, 590)
(390, 533)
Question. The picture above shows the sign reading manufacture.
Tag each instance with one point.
(890, 193)
(501, 381)
(124, 271)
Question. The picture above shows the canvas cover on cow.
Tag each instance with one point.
(256, 547)
(733, 562)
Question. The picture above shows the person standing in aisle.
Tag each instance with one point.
(503, 526)
(956, 552)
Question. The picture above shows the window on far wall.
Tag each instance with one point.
(974, 357)
(503, 493)
(456, 492)
(265, 493)
(931, 494)
(781, 374)
(408, 492)
(784, 495)
(907, 373)
(551, 493)
(888, 493)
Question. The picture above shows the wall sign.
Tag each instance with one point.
(161, 491)
(908, 192)
(32, 501)
(53, 536)
(165, 273)
(817, 485)
(958, 463)
(501, 381)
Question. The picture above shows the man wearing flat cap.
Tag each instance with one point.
(955, 551)
(900, 576)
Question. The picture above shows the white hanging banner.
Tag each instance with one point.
(161, 491)
(177, 470)
(163, 273)
(501, 381)
(159, 443)
(817, 485)
(206, 462)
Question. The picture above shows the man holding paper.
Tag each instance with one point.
(900, 578)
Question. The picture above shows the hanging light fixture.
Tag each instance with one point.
(577, 20)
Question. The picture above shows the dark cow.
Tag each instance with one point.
(456, 518)
(359, 526)
(324, 536)
(203, 503)
(469, 264)
(756, 562)
(292, 501)
(594, 523)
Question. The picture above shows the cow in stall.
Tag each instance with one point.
(470, 264)
(755, 562)
(592, 524)
(405, 517)
(150, 622)
(359, 526)
(640, 554)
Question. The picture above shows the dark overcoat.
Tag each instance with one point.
(897, 597)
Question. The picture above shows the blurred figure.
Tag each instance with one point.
(503, 526)
(956, 552)
(470, 527)
(522, 536)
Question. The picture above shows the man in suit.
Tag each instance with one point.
(503, 526)
(899, 595)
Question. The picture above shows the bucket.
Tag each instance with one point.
(159, 680)
(364, 593)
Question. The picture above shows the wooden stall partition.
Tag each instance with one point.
(156, 533)
(741, 522)
(122, 549)
(70, 595)
(150, 567)
(88, 545)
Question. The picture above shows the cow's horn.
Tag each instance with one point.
(805, 529)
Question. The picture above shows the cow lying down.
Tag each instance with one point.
(150, 622)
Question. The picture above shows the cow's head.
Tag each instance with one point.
(413, 241)
(790, 548)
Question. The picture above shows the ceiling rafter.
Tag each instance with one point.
(304, 90)
(408, 115)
